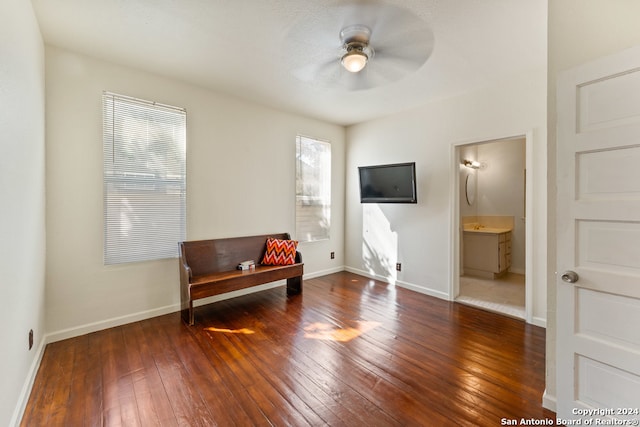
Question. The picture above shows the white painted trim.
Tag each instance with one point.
(23, 398)
(528, 231)
(143, 315)
(423, 290)
(109, 323)
(453, 287)
(539, 321)
(454, 256)
(369, 275)
(323, 273)
(549, 401)
(400, 283)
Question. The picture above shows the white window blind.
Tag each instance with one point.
(313, 189)
(144, 146)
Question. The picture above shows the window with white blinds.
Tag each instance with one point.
(313, 189)
(144, 146)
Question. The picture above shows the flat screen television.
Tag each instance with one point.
(394, 183)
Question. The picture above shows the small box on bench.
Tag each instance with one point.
(209, 267)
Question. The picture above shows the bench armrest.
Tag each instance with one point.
(185, 273)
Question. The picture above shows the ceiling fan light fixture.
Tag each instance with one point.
(354, 60)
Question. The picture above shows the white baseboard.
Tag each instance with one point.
(324, 272)
(423, 290)
(539, 321)
(369, 275)
(402, 284)
(18, 412)
(148, 314)
(549, 401)
(109, 323)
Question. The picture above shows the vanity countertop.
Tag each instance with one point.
(489, 230)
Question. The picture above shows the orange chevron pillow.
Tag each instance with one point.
(280, 252)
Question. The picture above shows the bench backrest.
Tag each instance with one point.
(210, 256)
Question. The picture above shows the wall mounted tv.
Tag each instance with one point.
(394, 183)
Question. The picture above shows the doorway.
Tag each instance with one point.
(491, 230)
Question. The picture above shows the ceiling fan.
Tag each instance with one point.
(357, 46)
(355, 43)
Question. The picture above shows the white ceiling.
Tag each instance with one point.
(253, 48)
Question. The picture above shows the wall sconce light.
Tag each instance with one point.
(471, 164)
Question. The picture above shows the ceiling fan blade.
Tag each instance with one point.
(391, 69)
(327, 72)
(369, 78)
(417, 40)
(412, 59)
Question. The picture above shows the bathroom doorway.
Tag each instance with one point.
(491, 220)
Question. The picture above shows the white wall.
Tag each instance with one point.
(240, 181)
(579, 31)
(22, 215)
(420, 236)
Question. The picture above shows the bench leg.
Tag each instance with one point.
(294, 285)
(187, 314)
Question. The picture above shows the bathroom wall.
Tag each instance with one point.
(500, 189)
(469, 152)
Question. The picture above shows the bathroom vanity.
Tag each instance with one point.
(487, 251)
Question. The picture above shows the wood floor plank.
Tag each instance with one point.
(118, 393)
(295, 387)
(223, 405)
(342, 394)
(348, 351)
(186, 402)
(50, 404)
(270, 398)
(337, 394)
(151, 398)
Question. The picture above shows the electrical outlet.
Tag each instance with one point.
(30, 339)
(398, 266)
(333, 255)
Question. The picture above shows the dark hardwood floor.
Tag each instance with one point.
(349, 351)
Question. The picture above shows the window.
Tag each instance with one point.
(144, 179)
(313, 189)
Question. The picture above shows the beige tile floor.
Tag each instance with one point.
(504, 295)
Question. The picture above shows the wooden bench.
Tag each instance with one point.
(209, 267)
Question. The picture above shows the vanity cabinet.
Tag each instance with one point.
(486, 253)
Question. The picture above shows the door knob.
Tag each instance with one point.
(570, 276)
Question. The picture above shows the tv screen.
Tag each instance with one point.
(388, 183)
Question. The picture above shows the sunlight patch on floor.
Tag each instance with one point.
(329, 332)
(245, 331)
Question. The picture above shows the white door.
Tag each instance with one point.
(598, 316)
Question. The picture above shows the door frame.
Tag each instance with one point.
(455, 232)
